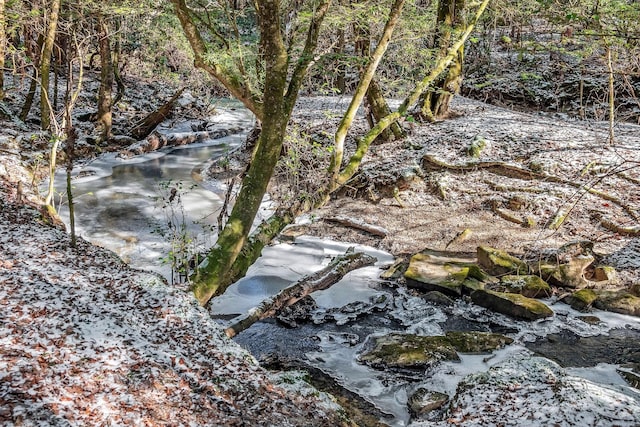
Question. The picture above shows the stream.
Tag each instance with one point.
(119, 205)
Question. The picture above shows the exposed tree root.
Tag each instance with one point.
(617, 228)
(500, 168)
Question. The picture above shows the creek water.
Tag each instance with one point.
(119, 205)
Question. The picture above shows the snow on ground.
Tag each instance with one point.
(85, 340)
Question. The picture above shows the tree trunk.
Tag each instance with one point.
(379, 109)
(45, 64)
(106, 80)
(435, 103)
(320, 280)
(213, 275)
(116, 68)
(31, 94)
(3, 45)
(361, 91)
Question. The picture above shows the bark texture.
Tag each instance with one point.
(45, 63)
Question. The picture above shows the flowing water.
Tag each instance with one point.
(119, 205)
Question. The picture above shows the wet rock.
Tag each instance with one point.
(527, 285)
(497, 262)
(292, 315)
(513, 305)
(437, 298)
(591, 320)
(470, 285)
(423, 401)
(581, 300)
(477, 342)
(406, 351)
(621, 302)
(439, 271)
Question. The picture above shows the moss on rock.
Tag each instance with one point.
(528, 285)
(477, 342)
(432, 270)
(407, 351)
(497, 262)
(513, 305)
(581, 300)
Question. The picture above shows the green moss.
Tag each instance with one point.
(408, 351)
(527, 285)
(514, 305)
(499, 262)
(477, 342)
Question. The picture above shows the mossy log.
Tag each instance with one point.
(320, 280)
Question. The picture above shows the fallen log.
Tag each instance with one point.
(319, 280)
(144, 127)
(359, 225)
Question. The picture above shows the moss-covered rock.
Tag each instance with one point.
(497, 262)
(477, 342)
(513, 305)
(621, 302)
(581, 300)
(528, 285)
(432, 270)
(567, 266)
(470, 285)
(423, 401)
(406, 351)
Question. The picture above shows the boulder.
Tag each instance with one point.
(621, 302)
(423, 401)
(581, 300)
(513, 305)
(566, 266)
(407, 351)
(477, 342)
(605, 273)
(497, 262)
(528, 285)
(527, 390)
(440, 271)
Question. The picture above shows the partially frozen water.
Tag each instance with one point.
(123, 204)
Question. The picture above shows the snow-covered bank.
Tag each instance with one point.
(85, 340)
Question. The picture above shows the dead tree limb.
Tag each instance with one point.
(359, 225)
(144, 127)
(319, 280)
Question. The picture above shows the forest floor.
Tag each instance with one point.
(539, 182)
